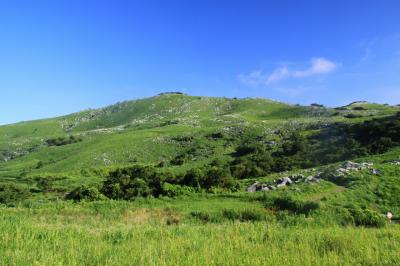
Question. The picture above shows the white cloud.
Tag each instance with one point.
(278, 74)
(252, 79)
(318, 66)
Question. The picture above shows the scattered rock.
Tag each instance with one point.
(350, 166)
(281, 182)
(345, 169)
(284, 181)
(396, 162)
(376, 171)
(314, 179)
(253, 187)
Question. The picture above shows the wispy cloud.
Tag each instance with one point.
(317, 66)
(252, 79)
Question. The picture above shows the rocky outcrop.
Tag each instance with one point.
(253, 187)
(396, 162)
(350, 166)
(345, 169)
(282, 182)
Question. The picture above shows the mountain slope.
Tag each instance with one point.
(153, 130)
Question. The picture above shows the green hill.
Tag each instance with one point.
(165, 178)
(147, 130)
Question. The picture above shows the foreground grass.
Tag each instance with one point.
(140, 234)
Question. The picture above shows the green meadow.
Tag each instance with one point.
(165, 232)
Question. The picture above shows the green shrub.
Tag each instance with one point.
(368, 218)
(246, 215)
(171, 190)
(252, 215)
(85, 193)
(131, 182)
(231, 214)
(193, 177)
(218, 176)
(295, 206)
(13, 193)
(39, 165)
(202, 216)
(61, 141)
(381, 145)
(317, 105)
(351, 115)
(335, 215)
(178, 160)
(45, 184)
(217, 135)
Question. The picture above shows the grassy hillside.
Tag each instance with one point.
(164, 181)
(144, 130)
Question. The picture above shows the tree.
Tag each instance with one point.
(193, 177)
(45, 184)
(85, 193)
(136, 181)
(218, 177)
(12, 193)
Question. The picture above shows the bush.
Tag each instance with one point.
(218, 177)
(12, 193)
(252, 215)
(368, 218)
(131, 182)
(244, 215)
(295, 206)
(183, 138)
(359, 108)
(382, 145)
(61, 141)
(217, 135)
(171, 190)
(179, 159)
(193, 177)
(202, 216)
(85, 193)
(39, 165)
(255, 159)
(45, 184)
(351, 115)
(317, 105)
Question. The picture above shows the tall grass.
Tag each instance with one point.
(92, 234)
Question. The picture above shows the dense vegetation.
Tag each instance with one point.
(60, 141)
(12, 193)
(336, 143)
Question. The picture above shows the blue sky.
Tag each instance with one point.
(58, 57)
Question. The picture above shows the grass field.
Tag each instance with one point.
(163, 233)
